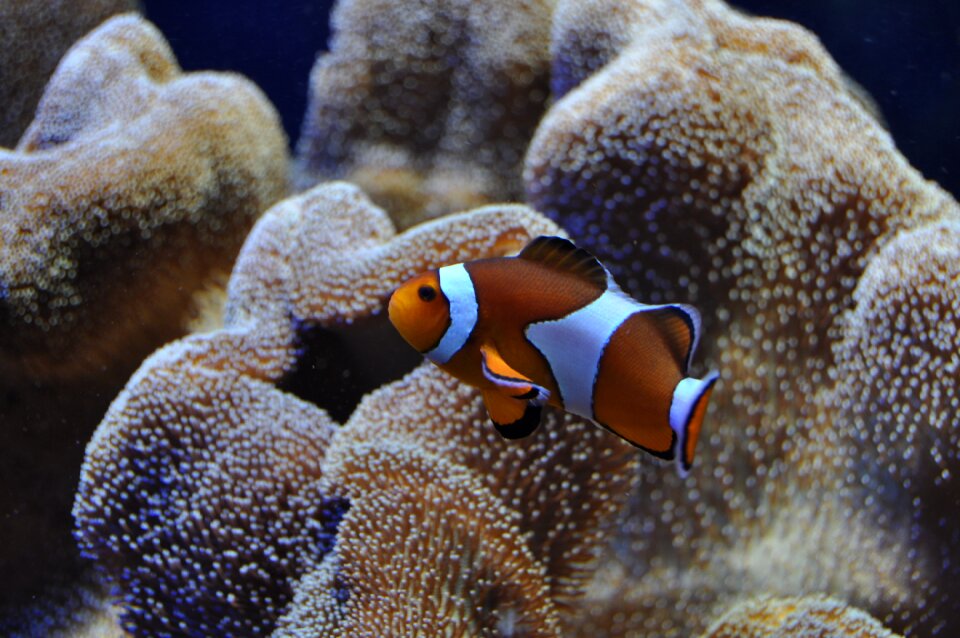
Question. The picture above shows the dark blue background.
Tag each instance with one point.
(906, 53)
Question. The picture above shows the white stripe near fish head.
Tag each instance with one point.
(457, 287)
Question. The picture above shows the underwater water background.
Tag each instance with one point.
(905, 53)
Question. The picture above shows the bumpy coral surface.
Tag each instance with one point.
(218, 492)
(533, 477)
(428, 104)
(204, 511)
(885, 441)
(34, 35)
(134, 185)
(720, 159)
(705, 156)
(427, 551)
(493, 491)
(812, 617)
(134, 181)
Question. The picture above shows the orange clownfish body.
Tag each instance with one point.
(551, 326)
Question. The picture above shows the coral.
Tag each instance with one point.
(900, 349)
(34, 34)
(722, 160)
(211, 447)
(429, 551)
(133, 182)
(885, 440)
(429, 105)
(133, 187)
(617, 604)
(528, 481)
(705, 156)
(205, 509)
(811, 617)
(532, 477)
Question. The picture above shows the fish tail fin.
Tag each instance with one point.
(687, 409)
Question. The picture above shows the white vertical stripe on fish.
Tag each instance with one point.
(457, 286)
(574, 344)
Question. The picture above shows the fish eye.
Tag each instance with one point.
(427, 293)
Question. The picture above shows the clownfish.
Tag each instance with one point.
(550, 326)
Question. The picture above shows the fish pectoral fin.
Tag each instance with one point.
(515, 402)
(508, 381)
(512, 418)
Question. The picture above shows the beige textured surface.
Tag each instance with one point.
(810, 617)
(428, 104)
(34, 35)
(705, 156)
(426, 550)
(222, 440)
(719, 159)
(133, 185)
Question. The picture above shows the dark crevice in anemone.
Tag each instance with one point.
(341, 591)
(324, 527)
(339, 363)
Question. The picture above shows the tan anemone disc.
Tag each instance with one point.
(715, 158)
(133, 185)
(130, 191)
(428, 104)
(34, 35)
(810, 617)
(412, 515)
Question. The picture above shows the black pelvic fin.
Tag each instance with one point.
(522, 427)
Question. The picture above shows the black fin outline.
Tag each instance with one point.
(562, 255)
(522, 427)
(667, 455)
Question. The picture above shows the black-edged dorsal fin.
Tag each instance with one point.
(562, 255)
